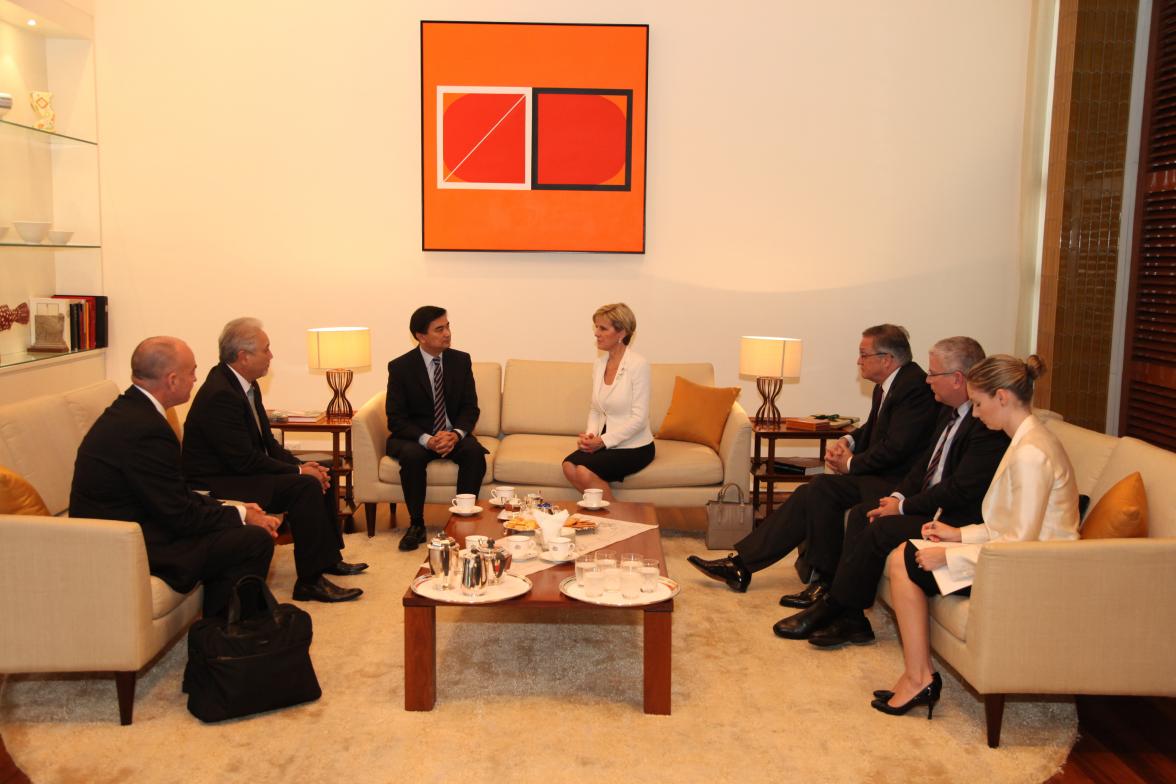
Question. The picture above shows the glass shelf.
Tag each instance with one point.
(46, 245)
(51, 136)
(18, 358)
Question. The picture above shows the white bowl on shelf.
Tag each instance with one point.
(58, 237)
(32, 232)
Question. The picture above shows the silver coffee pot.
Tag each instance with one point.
(474, 574)
(443, 564)
(497, 560)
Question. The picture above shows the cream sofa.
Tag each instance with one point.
(1085, 617)
(75, 594)
(529, 422)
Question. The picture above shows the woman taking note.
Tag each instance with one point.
(1032, 497)
(617, 441)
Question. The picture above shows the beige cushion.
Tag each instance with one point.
(678, 464)
(1157, 467)
(164, 599)
(952, 614)
(546, 398)
(440, 472)
(1088, 451)
(17, 496)
(1121, 513)
(533, 459)
(697, 413)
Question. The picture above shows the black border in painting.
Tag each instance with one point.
(538, 186)
(645, 140)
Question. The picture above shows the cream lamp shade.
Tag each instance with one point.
(772, 361)
(337, 350)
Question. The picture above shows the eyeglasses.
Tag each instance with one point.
(944, 373)
(875, 354)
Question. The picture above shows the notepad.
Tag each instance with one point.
(947, 584)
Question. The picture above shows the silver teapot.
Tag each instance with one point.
(498, 560)
(443, 564)
(474, 574)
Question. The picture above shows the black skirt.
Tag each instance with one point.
(925, 579)
(613, 465)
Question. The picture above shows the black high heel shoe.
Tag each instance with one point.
(928, 696)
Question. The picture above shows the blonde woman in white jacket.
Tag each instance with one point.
(1032, 496)
(617, 441)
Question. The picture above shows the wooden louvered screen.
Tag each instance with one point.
(1148, 407)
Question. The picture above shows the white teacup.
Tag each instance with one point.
(561, 546)
(476, 541)
(502, 494)
(593, 498)
(519, 546)
(464, 502)
(568, 533)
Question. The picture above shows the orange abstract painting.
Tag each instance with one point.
(533, 136)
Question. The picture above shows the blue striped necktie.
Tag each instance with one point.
(438, 397)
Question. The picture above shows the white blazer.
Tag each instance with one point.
(1033, 496)
(621, 410)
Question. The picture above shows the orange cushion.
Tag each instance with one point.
(17, 496)
(1121, 513)
(697, 413)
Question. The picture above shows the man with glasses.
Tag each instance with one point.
(862, 466)
(947, 483)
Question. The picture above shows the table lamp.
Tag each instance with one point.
(772, 361)
(337, 350)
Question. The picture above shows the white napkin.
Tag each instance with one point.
(550, 523)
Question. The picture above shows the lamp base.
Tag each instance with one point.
(339, 381)
(769, 388)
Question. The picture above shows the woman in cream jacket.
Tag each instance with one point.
(617, 441)
(1032, 496)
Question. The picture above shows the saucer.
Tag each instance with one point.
(529, 556)
(495, 502)
(473, 510)
(602, 505)
(551, 557)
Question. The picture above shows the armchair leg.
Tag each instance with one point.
(392, 513)
(369, 512)
(124, 682)
(993, 716)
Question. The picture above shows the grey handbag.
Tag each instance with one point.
(727, 521)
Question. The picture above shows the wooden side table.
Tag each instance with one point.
(341, 463)
(763, 466)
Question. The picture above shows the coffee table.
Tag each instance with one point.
(420, 613)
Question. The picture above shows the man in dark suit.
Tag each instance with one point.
(128, 468)
(432, 407)
(230, 450)
(947, 483)
(864, 465)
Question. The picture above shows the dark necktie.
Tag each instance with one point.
(253, 407)
(939, 449)
(438, 397)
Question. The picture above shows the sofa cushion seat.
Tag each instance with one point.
(163, 599)
(440, 472)
(678, 464)
(952, 614)
(527, 459)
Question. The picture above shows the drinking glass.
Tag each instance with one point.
(606, 562)
(630, 582)
(582, 564)
(649, 575)
(593, 580)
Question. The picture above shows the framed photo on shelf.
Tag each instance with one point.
(533, 136)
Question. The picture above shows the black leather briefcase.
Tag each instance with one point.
(249, 663)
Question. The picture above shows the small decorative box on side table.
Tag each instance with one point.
(341, 465)
(763, 467)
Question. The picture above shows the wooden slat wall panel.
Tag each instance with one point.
(1149, 375)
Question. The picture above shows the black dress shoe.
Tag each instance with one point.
(344, 569)
(413, 537)
(846, 630)
(804, 623)
(729, 570)
(805, 598)
(323, 590)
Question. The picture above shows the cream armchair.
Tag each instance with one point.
(75, 594)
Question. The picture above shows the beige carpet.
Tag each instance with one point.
(552, 701)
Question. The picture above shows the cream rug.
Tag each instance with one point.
(557, 700)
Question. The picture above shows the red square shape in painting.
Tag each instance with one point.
(483, 140)
(582, 139)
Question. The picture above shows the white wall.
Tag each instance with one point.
(814, 168)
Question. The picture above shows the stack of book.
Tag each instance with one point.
(818, 423)
(288, 415)
(800, 466)
(86, 318)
